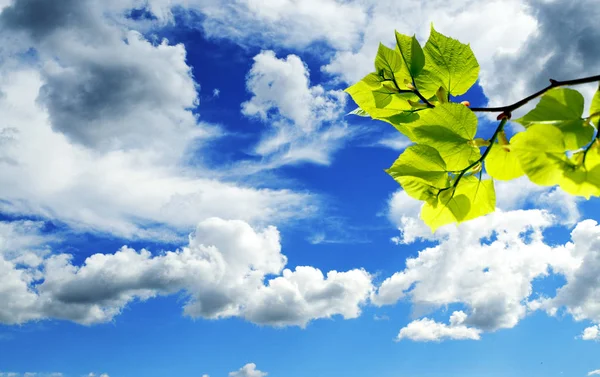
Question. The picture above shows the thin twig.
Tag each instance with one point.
(553, 84)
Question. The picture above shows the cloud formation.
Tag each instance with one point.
(427, 330)
(248, 370)
(305, 121)
(222, 272)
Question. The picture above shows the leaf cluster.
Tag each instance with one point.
(447, 167)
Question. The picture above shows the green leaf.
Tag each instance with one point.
(583, 176)
(399, 121)
(450, 63)
(470, 199)
(388, 62)
(541, 153)
(449, 128)
(412, 55)
(503, 164)
(595, 108)
(379, 102)
(563, 108)
(421, 171)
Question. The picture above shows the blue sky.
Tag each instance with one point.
(183, 194)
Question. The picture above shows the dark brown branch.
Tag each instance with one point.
(553, 84)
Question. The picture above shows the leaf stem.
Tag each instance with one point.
(483, 156)
(416, 91)
(553, 84)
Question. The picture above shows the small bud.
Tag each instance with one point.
(442, 95)
(466, 103)
(419, 105)
(502, 140)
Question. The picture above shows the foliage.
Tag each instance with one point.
(447, 167)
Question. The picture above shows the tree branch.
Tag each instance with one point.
(553, 84)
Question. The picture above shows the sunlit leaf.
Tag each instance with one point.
(563, 108)
(451, 63)
(412, 55)
(472, 198)
(595, 108)
(421, 171)
(541, 153)
(379, 102)
(503, 164)
(388, 62)
(583, 176)
(449, 128)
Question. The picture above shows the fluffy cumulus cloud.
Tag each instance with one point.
(489, 264)
(105, 86)
(222, 272)
(304, 120)
(520, 44)
(426, 330)
(580, 296)
(288, 22)
(591, 333)
(248, 370)
(97, 124)
(557, 49)
(463, 270)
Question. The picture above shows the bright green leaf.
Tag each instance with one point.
(503, 164)
(472, 198)
(595, 108)
(541, 153)
(421, 171)
(388, 62)
(450, 63)
(563, 108)
(380, 102)
(449, 128)
(583, 176)
(412, 55)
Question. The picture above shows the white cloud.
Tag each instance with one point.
(591, 333)
(594, 372)
(469, 21)
(248, 370)
(305, 120)
(404, 212)
(124, 193)
(104, 86)
(462, 269)
(580, 296)
(97, 129)
(287, 22)
(427, 330)
(222, 272)
(488, 264)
